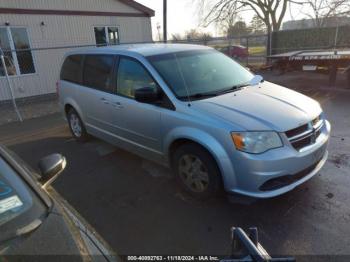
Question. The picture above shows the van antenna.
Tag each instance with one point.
(183, 80)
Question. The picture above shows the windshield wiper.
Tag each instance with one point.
(233, 88)
(199, 95)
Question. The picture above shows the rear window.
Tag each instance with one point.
(71, 69)
(98, 72)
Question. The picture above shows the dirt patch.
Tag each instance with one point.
(330, 195)
(339, 160)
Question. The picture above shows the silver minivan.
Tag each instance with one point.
(197, 111)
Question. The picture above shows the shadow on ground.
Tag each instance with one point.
(138, 212)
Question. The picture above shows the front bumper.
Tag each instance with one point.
(254, 171)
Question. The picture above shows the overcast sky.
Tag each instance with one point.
(182, 16)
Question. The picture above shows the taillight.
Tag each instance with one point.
(58, 88)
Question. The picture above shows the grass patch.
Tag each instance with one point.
(257, 50)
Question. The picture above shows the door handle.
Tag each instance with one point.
(117, 105)
(104, 100)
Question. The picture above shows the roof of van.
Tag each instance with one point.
(142, 49)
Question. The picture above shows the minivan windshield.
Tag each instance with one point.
(200, 73)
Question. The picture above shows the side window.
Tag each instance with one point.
(98, 72)
(131, 76)
(71, 69)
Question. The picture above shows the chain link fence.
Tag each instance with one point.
(28, 80)
(311, 39)
(28, 76)
(249, 50)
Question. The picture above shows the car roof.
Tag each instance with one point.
(141, 49)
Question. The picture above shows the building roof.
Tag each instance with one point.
(142, 49)
(139, 7)
(24, 8)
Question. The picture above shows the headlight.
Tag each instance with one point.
(256, 142)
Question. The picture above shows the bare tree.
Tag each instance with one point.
(240, 28)
(322, 10)
(227, 20)
(195, 34)
(271, 12)
(257, 25)
(192, 34)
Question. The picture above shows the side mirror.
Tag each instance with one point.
(147, 95)
(50, 167)
(257, 79)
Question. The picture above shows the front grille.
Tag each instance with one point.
(302, 143)
(279, 182)
(296, 131)
(306, 134)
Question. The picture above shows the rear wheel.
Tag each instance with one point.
(196, 171)
(76, 126)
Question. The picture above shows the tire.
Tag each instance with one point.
(201, 179)
(76, 126)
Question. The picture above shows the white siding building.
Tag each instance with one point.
(40, 28)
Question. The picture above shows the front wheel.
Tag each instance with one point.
(76, 126)
(196, 170)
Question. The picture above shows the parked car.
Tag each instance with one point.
(196, 110)
(36, 222)
(235, 51)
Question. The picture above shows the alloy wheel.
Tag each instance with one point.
(193, 173)
(75, 125)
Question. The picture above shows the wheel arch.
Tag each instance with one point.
(181, 136)
(70, 103)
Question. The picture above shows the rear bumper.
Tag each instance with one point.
(280, 170)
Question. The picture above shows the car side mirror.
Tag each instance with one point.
(257, 79)
(50, 167)
(147, 95)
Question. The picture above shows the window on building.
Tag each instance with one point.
(5, 46)
(14, 41)
(98, 72)
(106, 35)
(131, 76)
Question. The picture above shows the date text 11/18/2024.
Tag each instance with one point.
(172, 258)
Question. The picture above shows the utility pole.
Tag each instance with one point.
(165, 38)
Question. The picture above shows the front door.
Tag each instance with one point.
(137, 123)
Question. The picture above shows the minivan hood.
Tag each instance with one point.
(270, 107)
